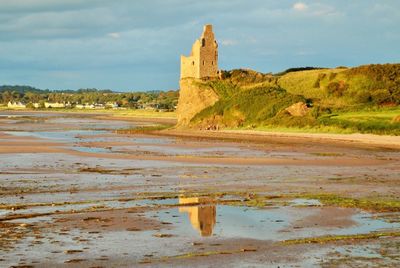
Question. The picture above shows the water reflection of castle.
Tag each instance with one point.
(201, 215)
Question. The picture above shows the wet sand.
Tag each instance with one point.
(74, 193)
(352, 140)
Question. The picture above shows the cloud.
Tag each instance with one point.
(114, 35)
(44, 41)
(40, 6)
(228, 42)
(299, 6)
(305, 53)
(318, 10)
(324, 10)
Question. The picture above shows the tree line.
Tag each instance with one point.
(166, 100)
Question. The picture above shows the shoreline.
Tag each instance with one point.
(354, 140)
(351, 139)
(367, 139)
(125, 113)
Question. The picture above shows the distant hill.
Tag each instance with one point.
(21, 89)
(249, 99)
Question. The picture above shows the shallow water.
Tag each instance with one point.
(39, 177)
(90, 149)
(208, 224)
(59, 136)
(171, 150)
(226, 221)
(263, 224)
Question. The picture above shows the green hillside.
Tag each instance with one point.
(364, 99)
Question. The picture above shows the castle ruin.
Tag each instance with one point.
(203, 59)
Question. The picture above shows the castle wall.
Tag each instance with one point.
(188, 68)
(203, 59)
(202, 62)
(208, 54)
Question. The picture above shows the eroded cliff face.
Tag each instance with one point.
(194, 96)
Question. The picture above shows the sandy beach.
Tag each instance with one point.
(75, 193)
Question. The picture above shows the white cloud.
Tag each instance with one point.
(228, 42)
(324, 10)
(299, 6)
(114, 35)
(305, 53)
(317, 10)
(102, 40)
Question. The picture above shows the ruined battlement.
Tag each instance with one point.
(203, 59)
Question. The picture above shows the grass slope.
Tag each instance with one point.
(364, 99)
(245, 107)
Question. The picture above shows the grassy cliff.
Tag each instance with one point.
(364, 99)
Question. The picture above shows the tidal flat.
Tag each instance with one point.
(75, 191)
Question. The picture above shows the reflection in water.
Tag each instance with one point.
(202, 217)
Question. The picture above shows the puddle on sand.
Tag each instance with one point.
(90, 149)
(132, 139)
(177, 150)
(27, 115)
(305, 202)
(62, 136)
(70, 136)
(226, 221)
(110, 204)
(201, 217)
(196, 218)
(359, 251)
(374, 254)
(3, 212)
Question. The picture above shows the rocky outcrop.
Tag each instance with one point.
(297, 109)
(194, 96)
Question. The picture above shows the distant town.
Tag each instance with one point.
(26, 97)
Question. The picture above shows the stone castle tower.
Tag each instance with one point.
(203, 60)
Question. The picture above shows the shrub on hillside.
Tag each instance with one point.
(380, 96)
(377, 72)
(245, 77)
(363, 96)
(30, 105)
(396, 119)
(332, 76)
(224, 89)
(318, 81)
(318, 110)
(336, 88)
(284, 119)
(383, 79)
(297, 69)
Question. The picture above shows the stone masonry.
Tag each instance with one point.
(203, 60)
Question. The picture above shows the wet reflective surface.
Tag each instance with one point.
(202, 217)
(265, 224)
(74, 193)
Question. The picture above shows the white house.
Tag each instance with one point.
(54, 105)
(113, 105)
(15, 104)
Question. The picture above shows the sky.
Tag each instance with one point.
(132, 45)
